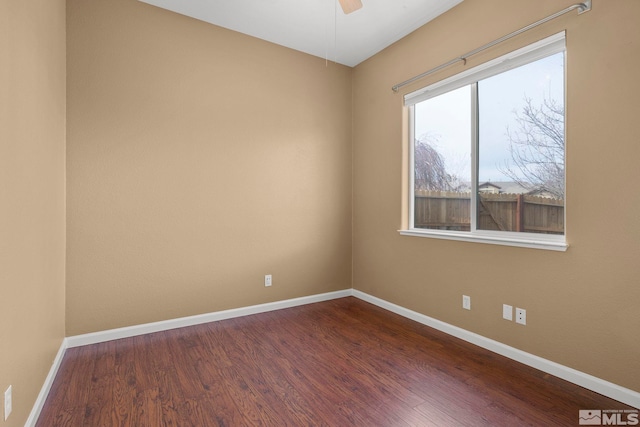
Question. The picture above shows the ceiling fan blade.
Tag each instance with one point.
(349, 6)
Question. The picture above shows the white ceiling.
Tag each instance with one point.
(317, 27)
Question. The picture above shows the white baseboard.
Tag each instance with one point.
(614, 391)
(147, 328)
(48, 382)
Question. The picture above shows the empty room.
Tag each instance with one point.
(319, 213)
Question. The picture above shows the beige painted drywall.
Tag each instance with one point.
(199, 160)
(32, 197)
(582, 305)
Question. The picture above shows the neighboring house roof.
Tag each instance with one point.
(510, 187)
(489, 184)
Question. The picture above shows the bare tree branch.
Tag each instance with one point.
(537, 148)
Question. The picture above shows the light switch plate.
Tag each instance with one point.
(7, 403)
(466, 302)
(507, 312)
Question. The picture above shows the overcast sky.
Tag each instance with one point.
(446, 120)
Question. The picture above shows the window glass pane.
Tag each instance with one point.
(521, 149)
(442, 161)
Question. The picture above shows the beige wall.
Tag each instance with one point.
(582, 305)
(199, 160)
(32, 224)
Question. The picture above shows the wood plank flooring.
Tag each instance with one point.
(337, 363)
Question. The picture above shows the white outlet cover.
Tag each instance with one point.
(507, 312)
(466, 302)
(7, 403)
(521, 316)
(267, 280)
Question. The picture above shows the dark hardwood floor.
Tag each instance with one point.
(337, 363)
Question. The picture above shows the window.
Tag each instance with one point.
(487, 151)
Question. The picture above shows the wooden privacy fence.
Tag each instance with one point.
(446, 210)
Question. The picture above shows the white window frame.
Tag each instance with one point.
(543, 48)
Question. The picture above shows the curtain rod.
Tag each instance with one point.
(582, 7)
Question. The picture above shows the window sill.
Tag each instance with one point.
(550, 245)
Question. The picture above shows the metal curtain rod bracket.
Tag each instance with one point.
(582, 7)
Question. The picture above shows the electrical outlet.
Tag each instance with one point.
(507, 312)
(7, 403)
(466, 302)
(521, 316)
(267, 280)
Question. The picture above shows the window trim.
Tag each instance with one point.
(531, 53)
(525, 55)
(478, 237)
